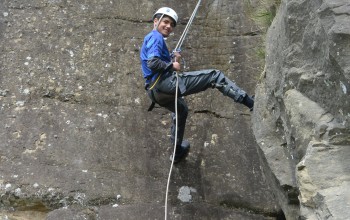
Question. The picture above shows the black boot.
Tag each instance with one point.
(249, 102)
(181, 151)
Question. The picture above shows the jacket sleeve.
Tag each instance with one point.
(158, 66)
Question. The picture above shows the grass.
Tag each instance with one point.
(262, 12)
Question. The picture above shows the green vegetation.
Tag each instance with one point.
(262, 12)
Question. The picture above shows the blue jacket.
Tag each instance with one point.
(154, 55)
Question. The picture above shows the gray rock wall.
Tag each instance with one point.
(302, 112)
(76, 140)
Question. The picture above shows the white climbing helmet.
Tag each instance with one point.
(167, 11)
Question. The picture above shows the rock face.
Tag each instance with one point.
(302, 111)
(76, 140)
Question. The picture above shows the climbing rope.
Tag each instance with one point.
(183, 36)
(177, 49)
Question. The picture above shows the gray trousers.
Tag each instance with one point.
(191, 83)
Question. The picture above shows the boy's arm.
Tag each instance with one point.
(159, 66)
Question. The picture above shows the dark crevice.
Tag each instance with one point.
(252, 33)
(216, 115)
(245, 207)
(21, 7)
(122, 19)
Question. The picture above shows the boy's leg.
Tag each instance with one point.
(182, 147)
(198, 81)
(182, 111)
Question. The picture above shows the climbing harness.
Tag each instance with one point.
(177, 48)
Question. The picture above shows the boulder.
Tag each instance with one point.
(302, 110)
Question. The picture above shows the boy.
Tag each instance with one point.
(159, 68)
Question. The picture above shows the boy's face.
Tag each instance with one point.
(166, 25)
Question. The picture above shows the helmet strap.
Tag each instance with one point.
(159, 20)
